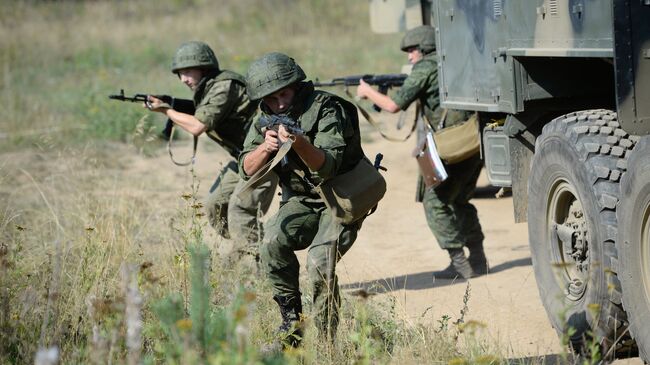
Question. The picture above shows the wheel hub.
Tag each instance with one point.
(570, 240)
(577, 248)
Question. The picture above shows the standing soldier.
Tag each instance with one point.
(451, 217)
(225, 113)
(329, 146)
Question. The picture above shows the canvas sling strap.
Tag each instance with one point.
(332, 253)
(211, 134)
(171, 155)
(171, 138)
(258, 177)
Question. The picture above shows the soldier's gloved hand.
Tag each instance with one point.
(271, 141)
(156, 105)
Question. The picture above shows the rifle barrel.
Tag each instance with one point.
(382, 80)
(134, 99)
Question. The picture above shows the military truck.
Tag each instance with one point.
(572, 79)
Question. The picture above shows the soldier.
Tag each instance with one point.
(451, 217)
(225, 113)
(330, 146)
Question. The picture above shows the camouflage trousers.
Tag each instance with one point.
(302, 224)
(238, 217)
(451, 217)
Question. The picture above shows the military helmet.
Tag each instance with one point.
(270, 73)
(422, 37)
(194, 54)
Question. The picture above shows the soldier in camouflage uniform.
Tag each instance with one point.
(330, 146)
(225, 113)
(451, 217)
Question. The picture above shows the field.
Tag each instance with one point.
(105, 251)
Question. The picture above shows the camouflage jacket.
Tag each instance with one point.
(422, 85)
(223, 106)
(330, 124)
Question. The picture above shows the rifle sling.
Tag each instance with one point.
(171, 155)
(211, 134)
(372, 122)
(334, 246)
(257, 178)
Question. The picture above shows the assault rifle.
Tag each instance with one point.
(181, 105)
(274, 121)
(383, 82)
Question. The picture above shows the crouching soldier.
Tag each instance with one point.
(324, 143)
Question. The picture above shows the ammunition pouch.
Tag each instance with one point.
(352, 195)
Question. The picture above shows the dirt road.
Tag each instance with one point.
(396, 252)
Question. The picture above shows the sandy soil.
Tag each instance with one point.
(396, 251)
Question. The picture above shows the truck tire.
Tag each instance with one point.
(573, 192)
(634, 237)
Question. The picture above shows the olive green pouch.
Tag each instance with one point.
(459, 142)
(352, 195)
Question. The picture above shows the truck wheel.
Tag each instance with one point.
(573, 192)
(634, 237)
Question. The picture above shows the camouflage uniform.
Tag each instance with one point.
(223, 106)
(303, 221)
(450, 215)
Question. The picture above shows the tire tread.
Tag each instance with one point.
(604, 147)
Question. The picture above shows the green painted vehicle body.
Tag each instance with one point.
(504, 55)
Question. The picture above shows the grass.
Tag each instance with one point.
(62, 262)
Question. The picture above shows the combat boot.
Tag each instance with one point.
(477, 259)
(289, 333)
(290, 330)
(459, 268)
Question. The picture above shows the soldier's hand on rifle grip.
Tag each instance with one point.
(271, 141)
(156, 105)
(363, 89)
